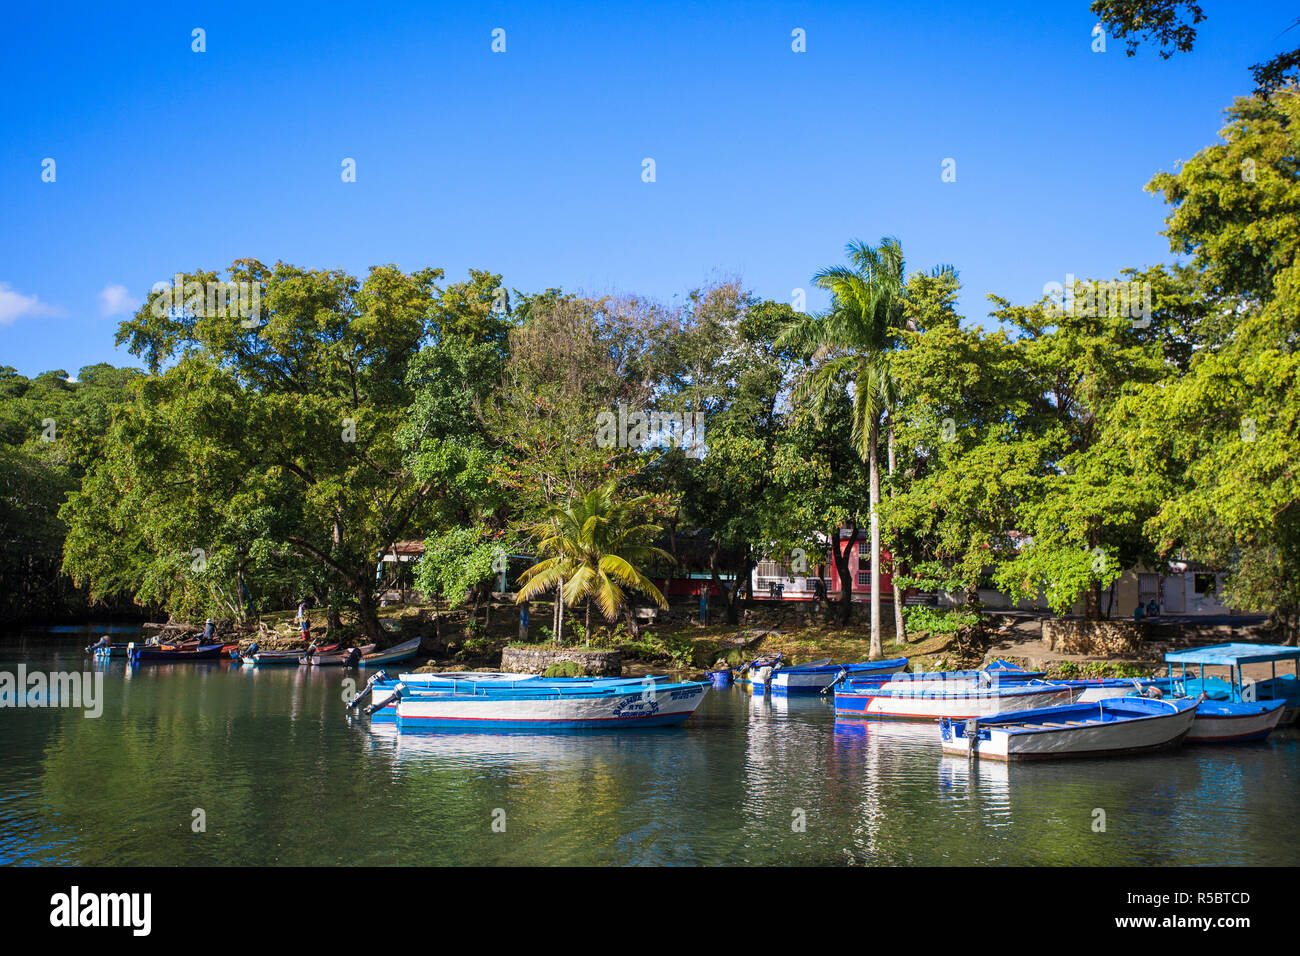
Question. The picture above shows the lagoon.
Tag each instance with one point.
(203, 764)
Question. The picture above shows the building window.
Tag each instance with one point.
(863, 579)
(1203, 583)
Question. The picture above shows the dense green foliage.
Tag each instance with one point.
(260, 462)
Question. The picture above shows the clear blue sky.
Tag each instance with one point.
(528, 163)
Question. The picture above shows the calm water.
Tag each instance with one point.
(284, 776)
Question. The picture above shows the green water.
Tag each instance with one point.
(282, 776)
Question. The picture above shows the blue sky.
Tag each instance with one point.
(529, 162)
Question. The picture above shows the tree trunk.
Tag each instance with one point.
(841, 558)
(366, 611)
(587, 625)
(559, 627)
(873, 464)
(900, 625)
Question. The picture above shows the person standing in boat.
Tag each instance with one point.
(208, 631)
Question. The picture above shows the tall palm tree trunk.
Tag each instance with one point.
(873, 464)
(559, 627)
(900, 627)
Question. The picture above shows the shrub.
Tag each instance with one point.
(563, 669)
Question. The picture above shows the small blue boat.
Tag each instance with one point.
(381, 688)
(817, 677)
(549, 708)
(1238, 690)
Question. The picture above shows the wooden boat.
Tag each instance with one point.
(393, 655)
(931, 699)
(816, 677)
(138, 653)
(546, 708)
(347, 657)
(282, 658)
(1117, 725)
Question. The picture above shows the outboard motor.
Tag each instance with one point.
(366, 691)
(392, 698)
(835, 683)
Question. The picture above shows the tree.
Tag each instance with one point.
(1225, 435)
(1173, 24)
(296, 414)
(854, 340)
(591, 548)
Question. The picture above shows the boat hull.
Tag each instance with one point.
(394, 655)
(210, 652)
(659, 707)
(925, 704)
(1221, 722)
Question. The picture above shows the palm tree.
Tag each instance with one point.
(854, 340)
(591, 549)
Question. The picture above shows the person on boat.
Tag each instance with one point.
(208, 631)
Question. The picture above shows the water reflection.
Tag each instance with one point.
(273, 758)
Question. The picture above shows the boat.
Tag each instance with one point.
(931, 699)
(545, 708)
(751, 669)
(1111, 727)
(380, 688)
(105, 651)
(999, 673)
(1092, 689)
(393, 655)
(1223, 722)
(1219, 719)
(281, 658)
(1238, 690)
(346, 657)
(817, 677)
(138, 653)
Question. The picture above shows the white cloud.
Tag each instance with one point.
(115, 300)
(15, 305)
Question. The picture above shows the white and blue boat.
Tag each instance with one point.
(816, 677)
(380, 689)
(1111, 727)
(1236, 689)
(936, 696)
(544, 707)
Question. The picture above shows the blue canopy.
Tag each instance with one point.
(1233, 655)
